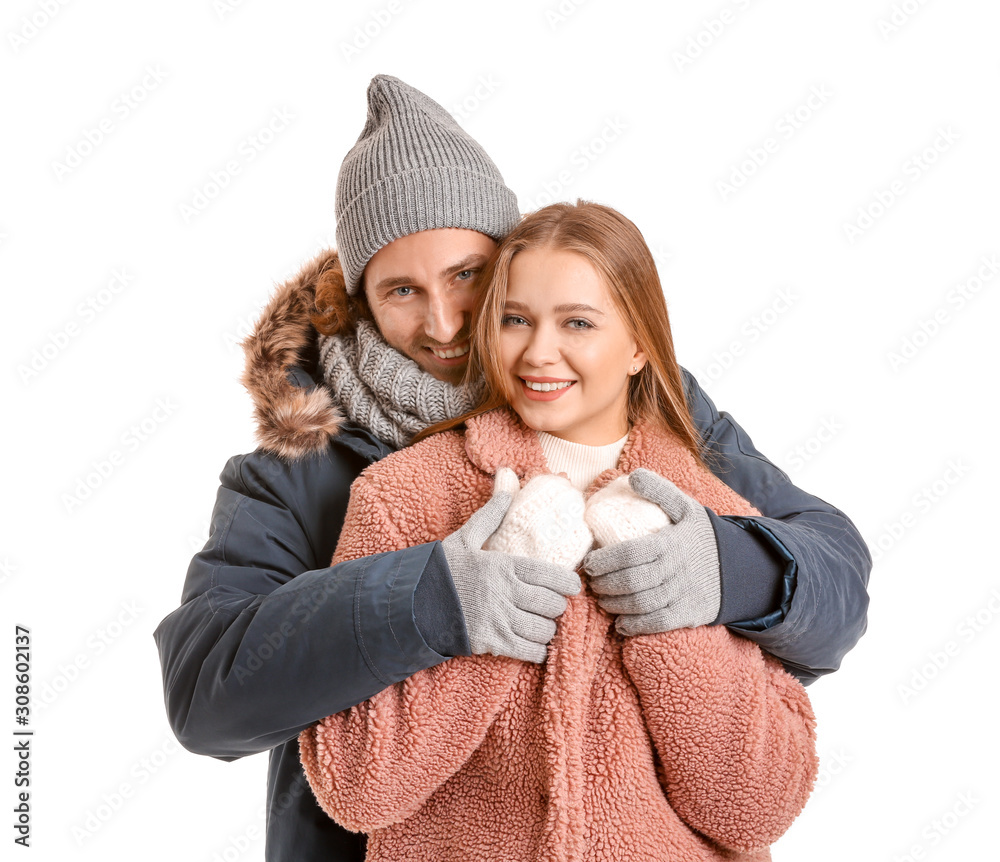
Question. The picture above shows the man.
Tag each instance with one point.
(269, 638)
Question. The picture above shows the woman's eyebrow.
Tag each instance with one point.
(577, 306)
(570, 307)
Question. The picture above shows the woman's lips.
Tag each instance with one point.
(545, 388)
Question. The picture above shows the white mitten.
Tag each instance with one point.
(616, 513)
(545, 521)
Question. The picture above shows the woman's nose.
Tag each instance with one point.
(542, 348)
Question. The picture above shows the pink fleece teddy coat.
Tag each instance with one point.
(687, 745)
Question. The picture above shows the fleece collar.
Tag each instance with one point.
(500, 439)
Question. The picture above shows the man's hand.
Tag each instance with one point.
(510, 603)
(666, 580)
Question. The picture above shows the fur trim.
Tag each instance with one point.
(291, 421)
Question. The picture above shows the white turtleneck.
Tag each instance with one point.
(582, 463)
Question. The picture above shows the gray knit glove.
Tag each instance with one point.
(510, 603)
(666, 580)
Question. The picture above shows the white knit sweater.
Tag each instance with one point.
(580, 462)
(549, 519)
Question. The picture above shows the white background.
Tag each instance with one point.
(789, 321)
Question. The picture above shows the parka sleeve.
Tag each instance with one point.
(379, 762)
(269, 637)
(802, 554)
(734, 732)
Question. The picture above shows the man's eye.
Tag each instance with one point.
(466, 274)
(403, 291)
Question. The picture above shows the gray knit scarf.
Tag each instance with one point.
(384, 391)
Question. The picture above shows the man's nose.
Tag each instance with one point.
(446, 317)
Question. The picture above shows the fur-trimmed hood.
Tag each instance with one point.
(292, 421)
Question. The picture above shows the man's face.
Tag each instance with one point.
(421, 290)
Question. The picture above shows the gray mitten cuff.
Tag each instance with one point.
(701, 599)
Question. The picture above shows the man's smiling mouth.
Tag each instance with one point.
(451, 352)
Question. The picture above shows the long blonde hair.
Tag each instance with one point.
(614, 246)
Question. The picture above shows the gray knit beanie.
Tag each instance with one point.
(413, 169)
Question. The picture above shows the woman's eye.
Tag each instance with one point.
(580, 323)
(512, 320)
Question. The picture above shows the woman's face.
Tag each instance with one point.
(565, 350)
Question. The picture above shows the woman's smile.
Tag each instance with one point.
(545, 388)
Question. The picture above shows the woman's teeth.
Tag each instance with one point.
(451, 353)
(547, 387)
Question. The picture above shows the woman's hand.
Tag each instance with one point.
(509, 598)
(669, 578)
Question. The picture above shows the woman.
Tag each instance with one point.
(686, 744)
